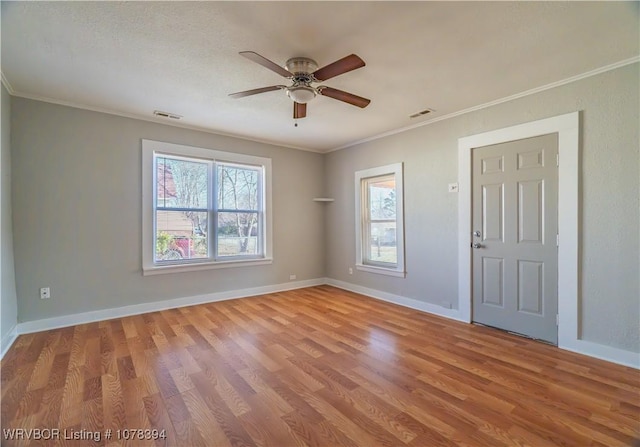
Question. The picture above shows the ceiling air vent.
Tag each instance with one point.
(160, 114)
(424, 112)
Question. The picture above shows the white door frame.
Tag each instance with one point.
(567, 128)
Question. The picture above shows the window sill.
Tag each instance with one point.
(381, 270)
(177, 268)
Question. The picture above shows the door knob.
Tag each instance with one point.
(476, 245)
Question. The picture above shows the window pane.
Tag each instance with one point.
(181, 183)
(181, 235)
(238, 234)
(383, 247)
(382, 197)
(238, 187)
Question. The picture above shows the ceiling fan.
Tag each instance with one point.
(303, 72)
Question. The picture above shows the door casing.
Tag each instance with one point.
(567, 127)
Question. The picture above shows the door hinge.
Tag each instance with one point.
(557, 240)
(558, 160)
(557, 319)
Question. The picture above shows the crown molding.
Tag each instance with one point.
(533, 91)
(153, 120)
(6, 84)
(588, 74)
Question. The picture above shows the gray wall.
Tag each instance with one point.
(77, 212)
(8, 302)
(610, 185)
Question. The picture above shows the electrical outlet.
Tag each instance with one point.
(292, 277)
(350, 270)
(45, 293)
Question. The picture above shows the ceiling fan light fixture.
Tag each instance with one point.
(301, 94)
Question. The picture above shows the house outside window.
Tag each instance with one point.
(203, 208)
(380, 222)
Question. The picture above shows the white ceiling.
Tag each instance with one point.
(132, 58)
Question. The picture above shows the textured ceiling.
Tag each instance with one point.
(133, 58)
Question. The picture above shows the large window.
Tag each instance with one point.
(379, 228)
(203, 208)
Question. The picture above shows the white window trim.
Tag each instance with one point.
(392, 169)
(149, 148)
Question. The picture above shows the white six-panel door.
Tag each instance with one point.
(515, 226)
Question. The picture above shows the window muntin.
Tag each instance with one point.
(203, 208)
(380, 223)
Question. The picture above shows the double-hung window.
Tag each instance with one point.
(379, 226)
(203, 208)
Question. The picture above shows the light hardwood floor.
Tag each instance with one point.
(317, 367)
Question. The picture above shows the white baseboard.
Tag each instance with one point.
(136, 309)
(603, 352)
(453, 314)
(7, 340)
(608, 353)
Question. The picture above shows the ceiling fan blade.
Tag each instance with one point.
(255, 57)
(339, 67)
(299, 110)
(255, 91)
(349, 98)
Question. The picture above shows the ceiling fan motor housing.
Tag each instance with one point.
(301, 66)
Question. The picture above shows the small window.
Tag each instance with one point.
(380, 228)
(203, 208)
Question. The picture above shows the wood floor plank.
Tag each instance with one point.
(265, 427)
(223, 414)
(93, 419)
(312, 367)
(382, 413)
(72, 398)
(44, 363)
(156, 412)
(113, 403)
(50, 405)
(265, 393)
